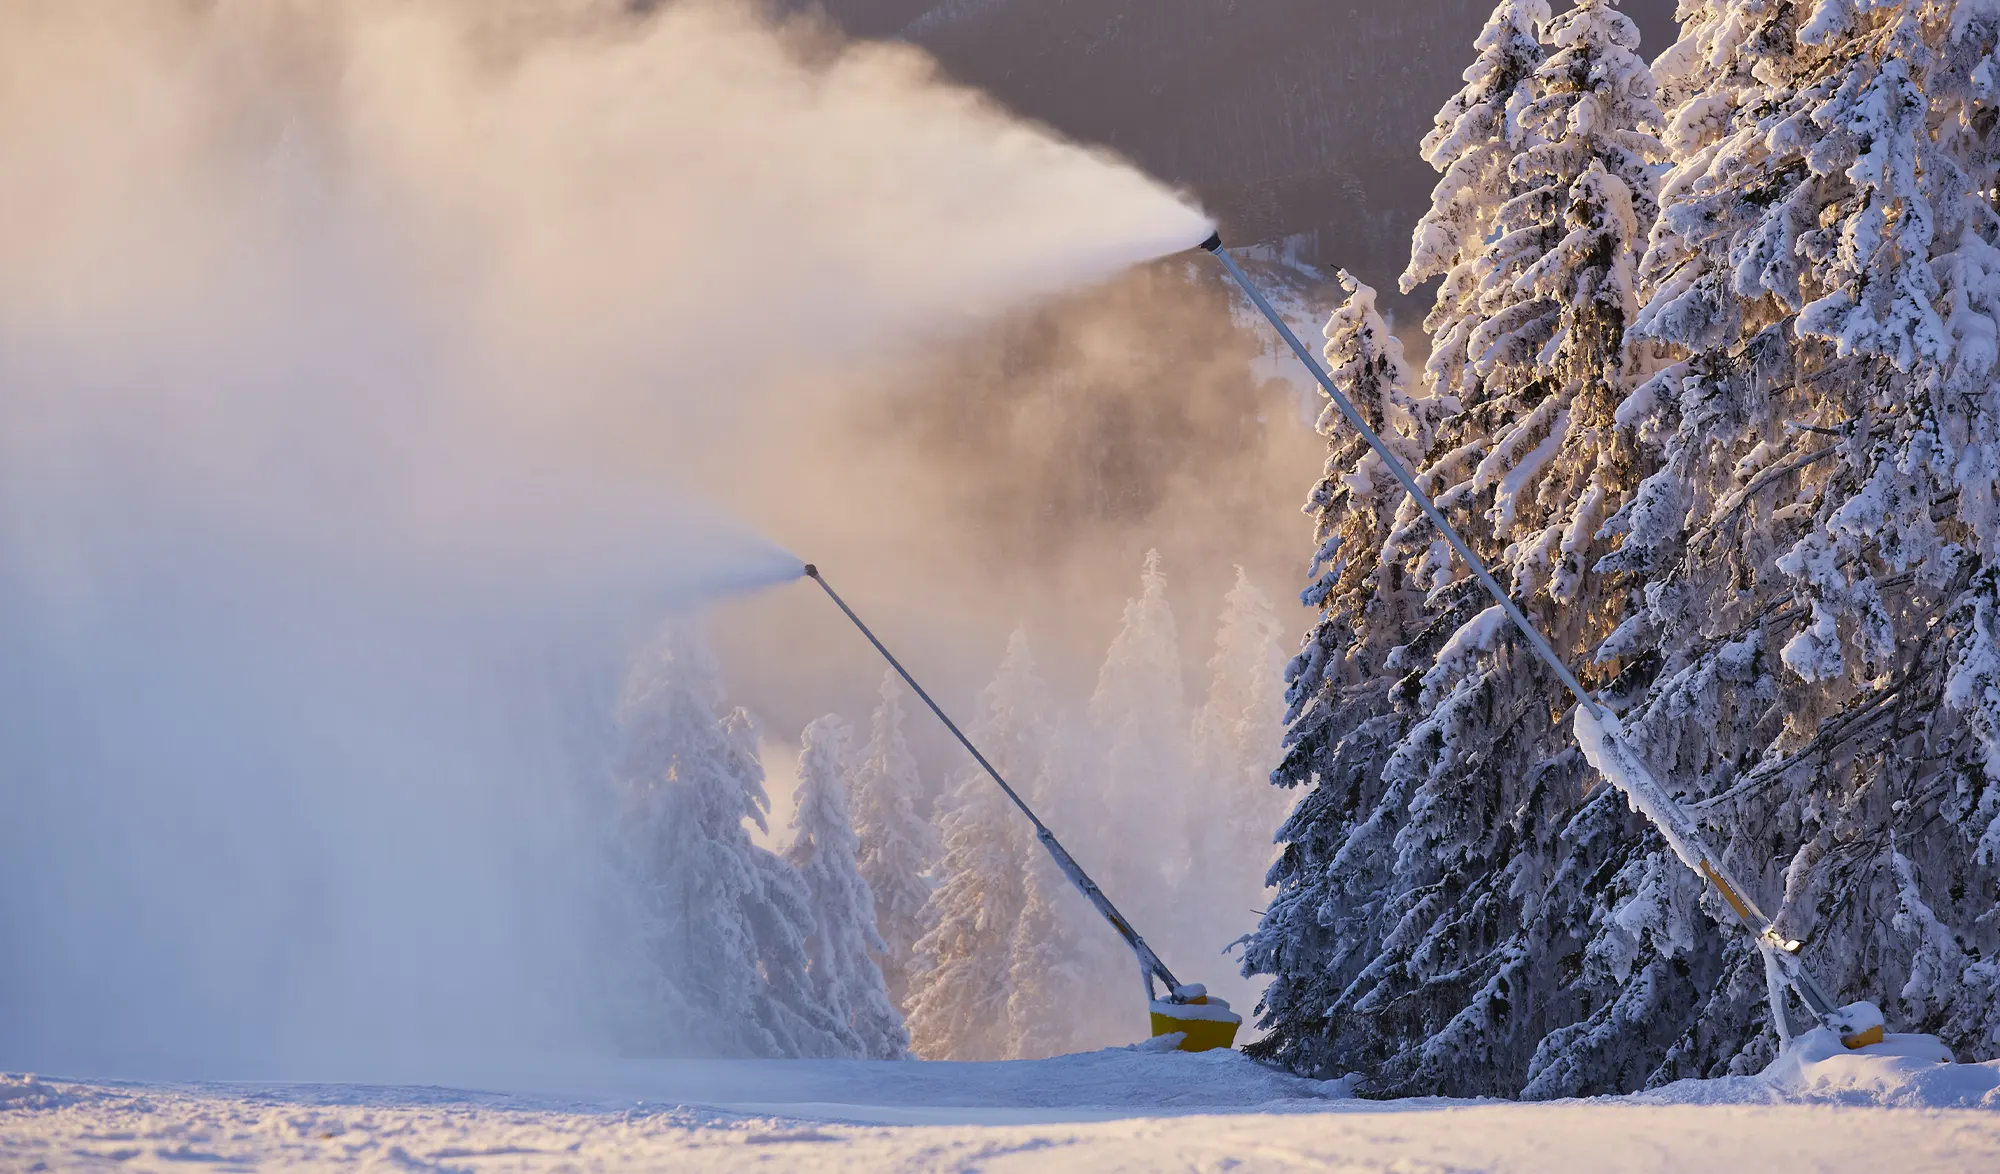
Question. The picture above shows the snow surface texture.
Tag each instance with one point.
(1901, 1070)
(1127, 1109)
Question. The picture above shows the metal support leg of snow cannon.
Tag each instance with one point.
(1598, 731)
(1857, 1024)
(1203, 1023)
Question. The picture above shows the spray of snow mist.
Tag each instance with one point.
(348, 353)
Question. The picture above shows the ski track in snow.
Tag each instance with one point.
(1102, 1112)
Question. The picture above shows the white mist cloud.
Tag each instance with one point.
(352, 357)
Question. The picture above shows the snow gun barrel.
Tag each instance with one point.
(1598, 730)
(1150, 966)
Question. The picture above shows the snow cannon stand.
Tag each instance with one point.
(1204, 1024)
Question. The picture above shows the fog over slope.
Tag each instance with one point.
(341, 464)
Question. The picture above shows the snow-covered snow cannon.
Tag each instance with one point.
(1204, 1024)
(1598, 732)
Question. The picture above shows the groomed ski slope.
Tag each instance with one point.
(1107, 1111)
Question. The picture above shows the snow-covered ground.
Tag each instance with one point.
(1106, 1111)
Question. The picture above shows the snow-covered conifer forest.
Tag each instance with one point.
(1711, 383)
(904, 900)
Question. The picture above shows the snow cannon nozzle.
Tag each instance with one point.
(1214, 242)
(811, 571)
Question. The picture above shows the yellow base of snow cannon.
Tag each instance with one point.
(1204, 1024)
(1859, 1024)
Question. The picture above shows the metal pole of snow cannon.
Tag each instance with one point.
(1202, 1035)
(1857, 1024)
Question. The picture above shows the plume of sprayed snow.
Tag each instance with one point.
(349, 353)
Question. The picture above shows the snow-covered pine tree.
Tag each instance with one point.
(1326, 922)
(1050, 991)
(782, 923)
(959, 992)
(1070, 977)
(1138, 715)
(899, 844)
(726, 921)
(826, 852)
(1323, 923)
(1450, 968)
(1238, 739)
(1473, 143)
(1066, 968)
(1818, 535)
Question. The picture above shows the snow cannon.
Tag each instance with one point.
(1598, 732)
(1203, 1024)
